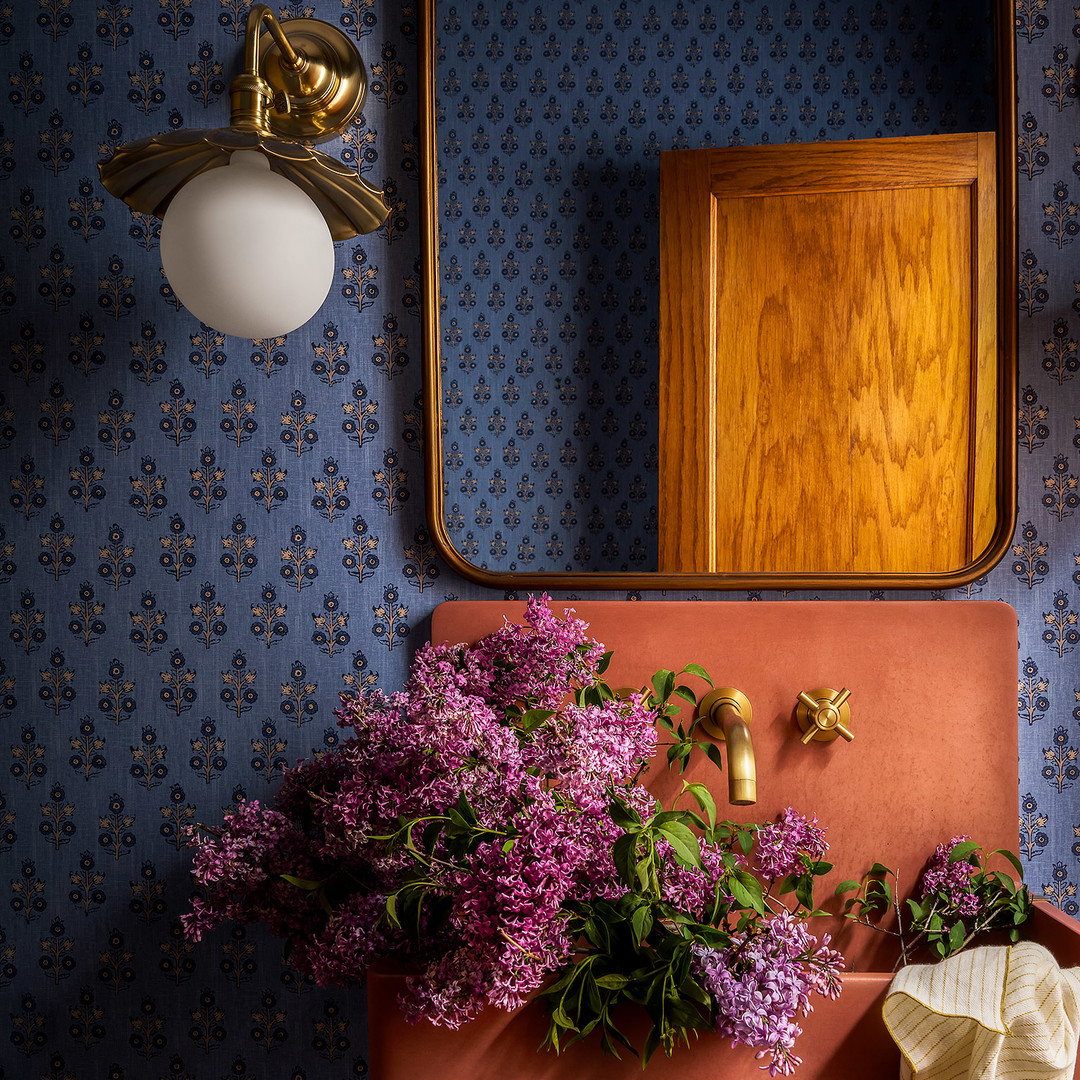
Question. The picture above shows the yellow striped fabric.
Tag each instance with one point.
(992, 1013)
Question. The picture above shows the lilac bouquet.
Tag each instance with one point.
(487, 826)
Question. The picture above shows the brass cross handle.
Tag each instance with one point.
(823, 713)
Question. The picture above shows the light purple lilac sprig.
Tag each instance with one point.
(766, 978)
(240, 867)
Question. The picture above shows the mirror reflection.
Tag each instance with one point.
(549, 122)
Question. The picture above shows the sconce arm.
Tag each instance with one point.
(261, 13)
(304, 85)
(250, 95)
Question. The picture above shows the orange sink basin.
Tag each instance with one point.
(844, 1039)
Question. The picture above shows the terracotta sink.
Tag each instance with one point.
(933, 711)
(841, 1040)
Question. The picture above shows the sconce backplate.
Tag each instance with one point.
(326, 93)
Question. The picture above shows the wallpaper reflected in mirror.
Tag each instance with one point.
(549, 126)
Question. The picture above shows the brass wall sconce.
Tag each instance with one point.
(249, 249)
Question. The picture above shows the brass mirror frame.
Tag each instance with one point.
(621, 580)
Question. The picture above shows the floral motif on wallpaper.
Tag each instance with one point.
(206, 540)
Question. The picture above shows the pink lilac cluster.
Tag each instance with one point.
(455, 735)
(693, 890)
(953, 879)
(781, 845)
(763, 980)
(240, 867)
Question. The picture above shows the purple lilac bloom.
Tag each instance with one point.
(542, 660)
(588, 749)
(241, 868)
(763, 980)
(781, 845)
(953, 879)
(694, 889)
(449, 735)
(353, 936)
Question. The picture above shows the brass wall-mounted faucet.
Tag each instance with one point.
(725, 714)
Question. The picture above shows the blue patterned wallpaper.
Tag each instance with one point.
(551, 122)
(205, 540)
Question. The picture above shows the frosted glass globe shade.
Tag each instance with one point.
(246, 251)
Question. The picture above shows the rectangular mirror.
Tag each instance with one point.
(542, 128)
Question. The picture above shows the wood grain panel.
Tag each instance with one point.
(828, 357)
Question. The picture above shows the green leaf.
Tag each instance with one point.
(641, 922)
(956, 936)
(682, 839)
(595, 1002)
(559, 1017)
(1005, 883)
(686, 694)
(533, 718)
(882, 893)
(963, 851)
(704, 799)
(431, 834)
(612, 982)
(623, 815)
(846, 886)
(679, 751)
(663, 682)
(645, 873)
(602, 664)
(624, 855)
(804, 890)
(698, 670)
(611, 1030)
(301, 883)
(462, 814)
(747, 891)
(1013, 860)
(652, 1044)
(599, 934)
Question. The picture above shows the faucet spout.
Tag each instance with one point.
(724, 713)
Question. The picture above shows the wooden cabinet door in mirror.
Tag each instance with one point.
(829, 357)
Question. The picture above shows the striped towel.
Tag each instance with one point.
(988, 1013)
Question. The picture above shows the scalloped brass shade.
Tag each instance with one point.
(304, 86)
(147, 173)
